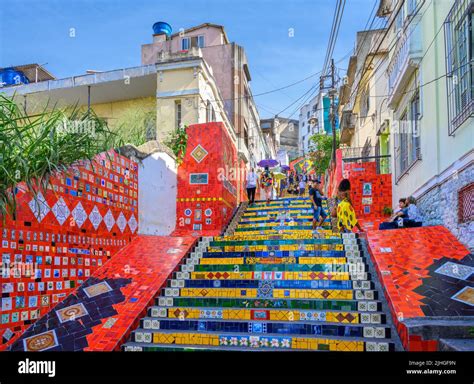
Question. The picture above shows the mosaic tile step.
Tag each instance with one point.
(343, 294)
(262, 254)
(266, 286)
(326, 343)
(276, 229)
(281, 241)
(144, 347)
(269, 268)
(264, 305)
(284, 201)
(323, 328)
(277, 208)
(280, 247)
(202, 313)
(306, 235)
(272, 260)
(277, 214)
(262, 208)
(212, 276)
(288, 223)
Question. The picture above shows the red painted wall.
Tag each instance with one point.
(45, 256)
(212, 160)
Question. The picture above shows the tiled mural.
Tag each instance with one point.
(63, 235)
(371, 192)
(208, 188)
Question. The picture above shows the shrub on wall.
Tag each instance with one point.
(178, 140)
(34, 147)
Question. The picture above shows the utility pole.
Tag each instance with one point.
(332, 116)
(332, 110)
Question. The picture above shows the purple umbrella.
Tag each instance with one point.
(285, 167)
(267, 163)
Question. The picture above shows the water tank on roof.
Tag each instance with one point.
(10, 76)
(162, 27)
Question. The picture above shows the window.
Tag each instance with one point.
(415, 127)
(466, 204)
(407, 139)
(459, 57)
(411, 5)
(365, 103)
(400, 18)
(307, 115)
(200, 41)
(192, 42)
(401, 161)
(177, 113)
(185, 43)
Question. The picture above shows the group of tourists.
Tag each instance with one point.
(342, 213)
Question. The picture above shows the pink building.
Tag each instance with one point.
(230, 69)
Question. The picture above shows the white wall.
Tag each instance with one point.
(157, 191)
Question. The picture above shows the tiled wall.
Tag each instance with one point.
(424, 272)
(207, 184)
(59, 239)
(370, 192)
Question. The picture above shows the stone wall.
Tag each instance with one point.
(439, 206)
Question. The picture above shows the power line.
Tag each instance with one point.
(338, 13)
(381, 39)
(408, 36)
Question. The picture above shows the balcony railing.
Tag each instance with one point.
(405, 60)
(164, 56)
(348, 123)
(367, 154)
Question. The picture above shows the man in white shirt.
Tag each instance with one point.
(252, 180)
(302, 187)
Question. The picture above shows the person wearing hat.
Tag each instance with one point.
(317, 198)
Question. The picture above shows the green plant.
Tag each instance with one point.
(34, 147)
(136, 126)
(387, 211)
(321, 151)
(177, 141)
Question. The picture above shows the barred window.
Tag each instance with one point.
(459, 60)
(466, 204)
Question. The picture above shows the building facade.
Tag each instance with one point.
(229, 66)
(362, 108)
(314, 119)
(431, 100)
(283, 135)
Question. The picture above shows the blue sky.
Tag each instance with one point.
(109, 34)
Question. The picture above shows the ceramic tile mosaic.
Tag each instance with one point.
(61, 237)
(293, 290)
(98, 315)
(426, 273)
(216, 194)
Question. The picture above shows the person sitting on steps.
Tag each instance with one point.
(408, 217)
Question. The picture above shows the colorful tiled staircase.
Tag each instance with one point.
(272, 285)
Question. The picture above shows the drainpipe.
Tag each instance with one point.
(88, 99)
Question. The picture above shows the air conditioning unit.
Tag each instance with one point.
(313, 120)
(345, 80)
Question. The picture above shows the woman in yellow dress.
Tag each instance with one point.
(346, 216)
